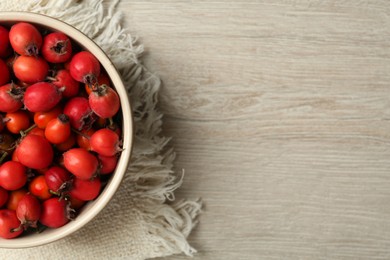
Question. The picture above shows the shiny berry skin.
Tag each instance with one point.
(14, 198)
(9, 224)
(104, 101)
(81, 163)
(41, 97)
(58, 129)
(17, 121)
(84, 67)
(80, 113)
(85, 190)
(69, 143)
(30, 69)
(39, 188)
(41, 119)
(54, 213)
(58, 179)
(105, 142)
(56, 48)
(28, 211)
(108, 164)
(64, 80)
(13, 175)
(37, 131)
(84, 137)
(10, 98)
(25, 39)
(35, 152)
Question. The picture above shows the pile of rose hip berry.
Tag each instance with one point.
(59, 129)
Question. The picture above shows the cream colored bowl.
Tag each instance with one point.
(94, 207)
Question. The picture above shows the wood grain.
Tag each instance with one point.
(280, 116)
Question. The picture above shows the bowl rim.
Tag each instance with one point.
(93, 208)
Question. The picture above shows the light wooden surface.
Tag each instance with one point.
(280, 115)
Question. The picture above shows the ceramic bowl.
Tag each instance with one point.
(91, 209)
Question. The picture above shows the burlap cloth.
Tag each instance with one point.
(138, 223)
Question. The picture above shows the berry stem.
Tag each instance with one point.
(17, 229)
(51, 79)
(80, 133)
(25, 132)
(3, 156)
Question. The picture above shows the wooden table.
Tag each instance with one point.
(280, 115)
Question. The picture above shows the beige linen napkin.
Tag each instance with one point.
(137, 223)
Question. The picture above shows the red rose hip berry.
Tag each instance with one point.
(25, 39)
(39, 188)
(105, 142)
(104, 101)
(41, 96)
(56, 47)
(55, 213)
(84, 67)
(17, 121)
(28, 211)
(9, 224)
(41, 119)
(13, 175)
(58, 180)
(58, 129)
(10, 98)
(63, 79)
(80, 113)
(30, 69)
(35, 152)
(81, 163)
(85, 190)
(108, 164)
